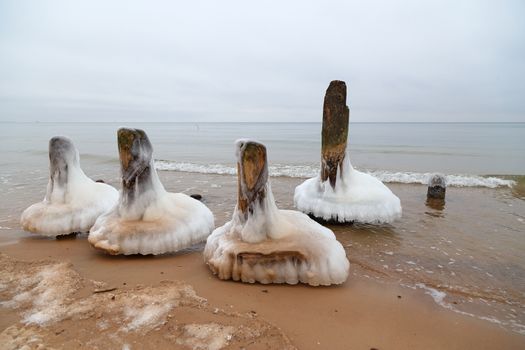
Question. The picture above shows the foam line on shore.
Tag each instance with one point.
(306, 171)
(439, 298)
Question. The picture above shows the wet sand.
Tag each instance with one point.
(361, 313)
(372, 309)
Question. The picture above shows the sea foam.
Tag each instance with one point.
(306, 171)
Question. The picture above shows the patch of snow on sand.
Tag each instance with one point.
(147, 310)
(15, 338)
(208, 336)
(149, 315)
(44, 291)
(49, 297)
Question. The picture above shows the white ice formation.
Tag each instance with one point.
(267, 245)
(73, 201)
(357, 197)
(341, 193)
(147, 218)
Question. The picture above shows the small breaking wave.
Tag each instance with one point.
(439, 298)
(300, 171)
(307, 171)
(452, 180)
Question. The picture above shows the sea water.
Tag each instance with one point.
(393, 151)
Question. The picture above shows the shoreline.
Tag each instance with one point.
(369, 313)
(305, 171)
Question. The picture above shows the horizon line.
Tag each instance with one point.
(251, 122)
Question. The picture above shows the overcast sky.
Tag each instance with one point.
(261, 61)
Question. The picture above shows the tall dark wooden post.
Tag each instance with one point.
(335, 131)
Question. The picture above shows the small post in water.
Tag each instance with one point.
(437, 186)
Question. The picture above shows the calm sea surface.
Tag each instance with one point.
(474, 149)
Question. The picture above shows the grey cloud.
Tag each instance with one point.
(270, 61)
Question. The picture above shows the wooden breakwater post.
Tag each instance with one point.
(135, 153)
(62, 156)
(252, 169)
(335, 131)
(437, 186)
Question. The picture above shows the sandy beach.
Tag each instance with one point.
(173, 300)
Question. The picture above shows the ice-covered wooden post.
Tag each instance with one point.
(60, 149)
(340, 192)
(252, 169)
(135, 152)
(437, 187)
(73, 201)
(265, 244)
(148, 219)
(335, 131)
